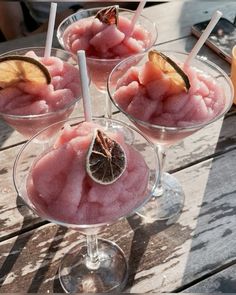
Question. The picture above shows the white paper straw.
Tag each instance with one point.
(51, 23)
(215, 18)
(136, 16)
(85, 85)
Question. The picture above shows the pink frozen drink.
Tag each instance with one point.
(168, 100)
(29, 106)
(61, 189)
(106, 36)
(155, 94)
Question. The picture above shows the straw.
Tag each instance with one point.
(136, 16)
(85, 85)
(215, 18)
(51, 23)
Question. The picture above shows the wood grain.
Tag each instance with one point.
(220, 138)
(220, 282)
(162, 257)
(174, 19)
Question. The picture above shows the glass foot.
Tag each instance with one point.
(110, 275)
(166, 204)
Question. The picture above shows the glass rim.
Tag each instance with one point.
(169, 128)
(37, 116)
(59, 34)
(81, 119)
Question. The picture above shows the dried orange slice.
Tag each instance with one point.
(106, 160)
(108, 15)
(16, 68)
(170, 68)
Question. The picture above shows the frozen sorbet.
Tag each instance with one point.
(30, 98)
(61, 189)
(149, 94)
(109, 41)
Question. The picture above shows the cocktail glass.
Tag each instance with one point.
(97, 265)
(100, 68)
(168, 199)
(28, 125)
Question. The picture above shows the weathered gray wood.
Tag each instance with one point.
(36, 40)
(14, 214)
(174, 19)
(205, 240)
(36, 255)
(218, 137)
(222, 282)
(8, 136)
(162, 257)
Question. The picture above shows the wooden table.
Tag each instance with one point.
(197, 253)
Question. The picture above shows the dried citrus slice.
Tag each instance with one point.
(108, 15)
(106, 160)
(16, 68)
(170, 68)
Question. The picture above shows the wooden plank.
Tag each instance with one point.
(36, 40)
(162, 257)
(216, 138)
(30, 262)
(14, 215)
(221, 282)
(205, 239)
(174, 19)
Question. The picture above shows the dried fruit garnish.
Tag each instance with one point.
(106, 160)
(108, 15)
(16, 68)
(170, 68)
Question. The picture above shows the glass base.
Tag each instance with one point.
(165, 204)
(110, 276)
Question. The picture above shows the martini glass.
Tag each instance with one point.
(99, 67)
(168, 199)
(30, 124)
(96, 265)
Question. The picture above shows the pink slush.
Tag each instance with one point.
(28, 107)
(105, 45)
(149, 95)
(105, 41)
(60, 188)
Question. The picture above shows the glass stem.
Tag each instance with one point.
(92, 252)
(108, 111)
(161, 151)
